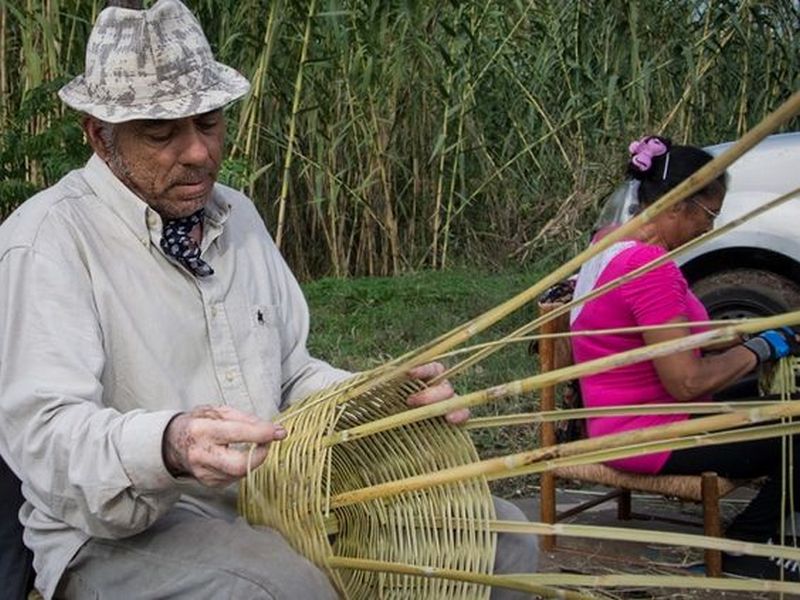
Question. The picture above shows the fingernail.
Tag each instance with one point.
(280, 431)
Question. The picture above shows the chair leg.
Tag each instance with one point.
(547, 509)
(624, 505)
(712, 526)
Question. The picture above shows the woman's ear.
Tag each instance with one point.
(676, 210)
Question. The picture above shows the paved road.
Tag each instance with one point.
(598, 557)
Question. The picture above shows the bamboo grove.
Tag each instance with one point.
(386, 136)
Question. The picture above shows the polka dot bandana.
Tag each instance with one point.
(178, 245)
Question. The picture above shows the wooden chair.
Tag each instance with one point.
(706, 489)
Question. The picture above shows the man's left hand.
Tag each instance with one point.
(436, 393)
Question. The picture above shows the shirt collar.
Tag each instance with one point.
(132, 210)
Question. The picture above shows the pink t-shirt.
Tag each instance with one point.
(656, 297)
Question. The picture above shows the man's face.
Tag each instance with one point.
(171, 164)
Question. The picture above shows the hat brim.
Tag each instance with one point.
(229, 86)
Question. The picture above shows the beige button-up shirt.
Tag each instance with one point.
(103, 339)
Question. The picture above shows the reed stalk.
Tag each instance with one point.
(630, 443)
(291, 138)
(646, 536)
(689, 408)
(247, 137)
(522, 386)
(3, 60)
(543, 584)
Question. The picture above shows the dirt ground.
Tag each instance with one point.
(599, 557)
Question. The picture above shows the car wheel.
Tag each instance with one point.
(745, 293)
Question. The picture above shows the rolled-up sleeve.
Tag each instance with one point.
(93, 467)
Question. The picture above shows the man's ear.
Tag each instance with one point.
(93, 128)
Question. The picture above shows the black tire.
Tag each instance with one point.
(744, 293)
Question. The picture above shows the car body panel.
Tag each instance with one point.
(769, 170)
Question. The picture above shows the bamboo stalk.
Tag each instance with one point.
(638, 448)
(542, 459)
(605, 533)
(646, 536)
(390, 220)
(691, 408)
(247, 137)
(514, 339)
(3, 78)
(437, 205)
(341, 562)
(541, 583)
(521, 386)
(298, 92)
(457, 161)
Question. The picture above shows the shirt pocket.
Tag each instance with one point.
(264, 321)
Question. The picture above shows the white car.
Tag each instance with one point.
(754, 269)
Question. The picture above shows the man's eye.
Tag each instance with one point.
(206, 124)
(158, 135)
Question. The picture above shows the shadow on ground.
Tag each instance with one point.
(601, 557)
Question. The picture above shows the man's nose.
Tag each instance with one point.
(195, 146)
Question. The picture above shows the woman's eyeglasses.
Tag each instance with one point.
(711, 213)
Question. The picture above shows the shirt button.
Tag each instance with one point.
(213, 311)
(152, 220)
(230, 375)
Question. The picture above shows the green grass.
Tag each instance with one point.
(361, 323)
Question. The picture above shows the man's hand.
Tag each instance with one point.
(441, 391)
(201, 443)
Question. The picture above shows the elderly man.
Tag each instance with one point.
(149, 328)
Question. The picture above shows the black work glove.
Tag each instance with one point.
(774, 344)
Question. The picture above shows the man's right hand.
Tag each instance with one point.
(203, 444)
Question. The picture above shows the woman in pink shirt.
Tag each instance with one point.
(660, 296)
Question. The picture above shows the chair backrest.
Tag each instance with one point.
(554, 353)
(16, 561)
(559, 349)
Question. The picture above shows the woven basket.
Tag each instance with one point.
(443, 527)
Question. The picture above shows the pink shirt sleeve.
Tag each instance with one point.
(660, 294)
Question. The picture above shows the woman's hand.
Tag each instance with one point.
(436, 393)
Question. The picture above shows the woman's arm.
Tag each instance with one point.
(687, 376)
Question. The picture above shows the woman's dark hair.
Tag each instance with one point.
(658, 171)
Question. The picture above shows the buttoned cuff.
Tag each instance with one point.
(140, 450)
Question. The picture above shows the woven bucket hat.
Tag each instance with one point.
(151, 64)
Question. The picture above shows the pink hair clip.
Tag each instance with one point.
(644, 150)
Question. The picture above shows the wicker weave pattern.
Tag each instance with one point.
(290, 493)
(685, 487)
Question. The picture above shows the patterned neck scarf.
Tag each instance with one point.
(176, 243)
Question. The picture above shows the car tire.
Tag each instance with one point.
(744, 293)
